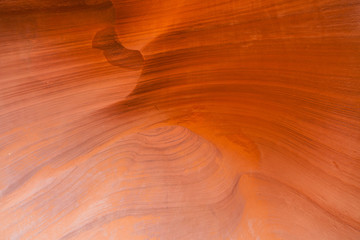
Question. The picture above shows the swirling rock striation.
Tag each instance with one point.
(179, 119)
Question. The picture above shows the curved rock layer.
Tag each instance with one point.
(180, 119)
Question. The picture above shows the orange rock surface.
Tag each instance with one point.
(186, 120)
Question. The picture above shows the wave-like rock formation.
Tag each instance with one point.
(200, 119)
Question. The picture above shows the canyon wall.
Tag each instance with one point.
(201, 119)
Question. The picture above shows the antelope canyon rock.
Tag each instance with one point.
(180, 120)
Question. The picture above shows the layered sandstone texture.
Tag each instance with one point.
(180, 120)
